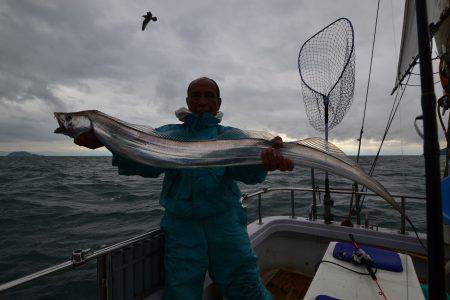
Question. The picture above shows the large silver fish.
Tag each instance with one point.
(144, 145)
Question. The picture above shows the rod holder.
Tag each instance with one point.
(366, 219)
(79, 256)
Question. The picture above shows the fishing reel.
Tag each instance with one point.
(360, 257)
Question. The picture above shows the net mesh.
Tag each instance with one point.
(326, 64)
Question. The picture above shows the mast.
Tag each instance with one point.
(436, 271)
(441, 32)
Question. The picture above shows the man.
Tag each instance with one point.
(204, 224)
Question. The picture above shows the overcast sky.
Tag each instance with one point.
(76, 55)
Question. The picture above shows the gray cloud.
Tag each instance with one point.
(74, 55)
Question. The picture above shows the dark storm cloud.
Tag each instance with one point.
(73, 55)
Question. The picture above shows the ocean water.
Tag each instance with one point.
(50, 206)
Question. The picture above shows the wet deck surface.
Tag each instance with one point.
(285, 284)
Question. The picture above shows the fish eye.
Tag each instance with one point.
(68, 118)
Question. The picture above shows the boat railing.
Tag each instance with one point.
(125, 270)
(121, 263)
(312, 214)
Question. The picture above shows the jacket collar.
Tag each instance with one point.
(191, 120)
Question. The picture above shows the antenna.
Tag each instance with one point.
(326, 64)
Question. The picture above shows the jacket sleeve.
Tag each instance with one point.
(247, 174)
(128, 167)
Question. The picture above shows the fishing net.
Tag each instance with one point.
(326, 63)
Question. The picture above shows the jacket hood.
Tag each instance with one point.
(183, 112)
(206, 120)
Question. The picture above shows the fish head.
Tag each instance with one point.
(72, 124)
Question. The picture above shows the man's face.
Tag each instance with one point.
(203, 98)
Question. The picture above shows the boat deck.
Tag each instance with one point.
(285, 284)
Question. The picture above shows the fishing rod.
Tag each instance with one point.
(362, 258)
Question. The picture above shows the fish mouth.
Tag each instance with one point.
(61, 128)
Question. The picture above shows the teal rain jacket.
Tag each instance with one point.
(204, 225)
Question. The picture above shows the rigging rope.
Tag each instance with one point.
(405, 84)
(394, 108)
(395, 105)
(401, 148)
(368, 83)
(418, 74)
(393, 30)
(388, 125)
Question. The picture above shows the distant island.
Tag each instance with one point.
(22, 154)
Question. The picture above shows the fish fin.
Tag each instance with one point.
(235, 133)
(328, 148)
(137, 127)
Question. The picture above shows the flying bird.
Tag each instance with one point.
(147, 18)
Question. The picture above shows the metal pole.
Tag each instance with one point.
(351, 207)
(292, 205)
(358, 209)
(332, 191)
(403, 218)
(357, 202)
(327, 202)
(436, 262)
(314, 200)
(259, 210)
(102, 277)
(70, 264)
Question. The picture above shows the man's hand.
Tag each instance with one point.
(272, 160)
(88, 140)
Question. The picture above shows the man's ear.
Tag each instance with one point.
(219, 102)
(187, 102)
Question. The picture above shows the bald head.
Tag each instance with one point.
(203, 95)
(193, 82)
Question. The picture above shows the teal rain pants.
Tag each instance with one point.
(219, 244)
